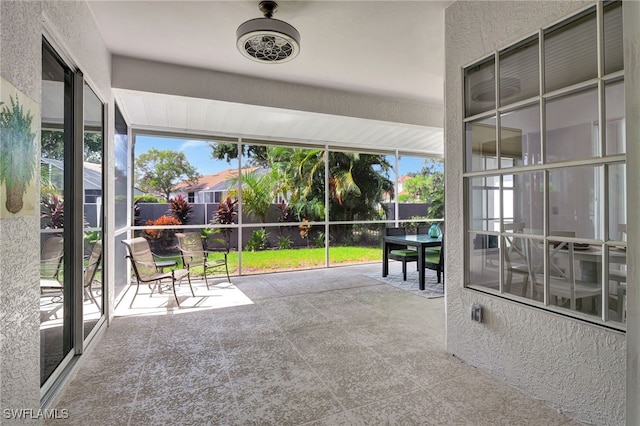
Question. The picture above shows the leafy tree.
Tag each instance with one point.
(356, 181)
(160, 171)
(436, 196)
(257, 193)
(52, 142)
(417, 188)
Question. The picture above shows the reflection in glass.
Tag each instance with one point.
(571, 133)
(55, 320)
(614, 107)
(484, 261)
(121, 148)
(484, 203)
(573, 201)
(520, 137)
(519, 72)
(480, 88)
(480, 145)
(523, 201)
(617, 202)
(570, 54)
(618, 284)
(93, 290)
(575, 278)
(521, 255)
(121, 197)
(613, 54)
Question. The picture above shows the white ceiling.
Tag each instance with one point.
(391, 49)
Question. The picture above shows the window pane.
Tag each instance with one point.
(519, 73)
(523, 201)
(614, 106)
(484, 259)
(484, 203)
(480, 88)
(55, 309)
(571, 132)
(93, 210)
(575, 278)
(574, 195)
(480, 145)
(121, 148)
(520, 137)
(618, 284)
(570, 53)
(522, 255)
(613, 57)
(617, 202)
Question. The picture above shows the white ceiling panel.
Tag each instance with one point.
(168, 113)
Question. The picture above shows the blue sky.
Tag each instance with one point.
(199, 154)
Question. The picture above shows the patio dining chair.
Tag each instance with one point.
(51, 259)
(434, 260)
(146, 271)
(89, 274)
(400, 252)
(194, 255)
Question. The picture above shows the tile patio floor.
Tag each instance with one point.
(321, 347)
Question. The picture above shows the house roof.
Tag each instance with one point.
(216, 181)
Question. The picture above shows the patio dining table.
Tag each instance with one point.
(421, 241)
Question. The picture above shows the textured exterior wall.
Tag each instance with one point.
(20, 59)
(21, 29)
(575, 367)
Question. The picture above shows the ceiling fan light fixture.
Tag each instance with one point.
(268, 40)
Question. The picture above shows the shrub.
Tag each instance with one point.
(158, 234)
(147, 198)
(52, 211)
(284, 242)
(180, 209)
(226, 215)
(318, 240)
(259, 240)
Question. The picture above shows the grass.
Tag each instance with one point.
(291, 259)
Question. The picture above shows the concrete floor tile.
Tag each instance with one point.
(320, 347)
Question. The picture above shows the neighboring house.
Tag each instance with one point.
(209, 188)
(92, 180)
(401, 181)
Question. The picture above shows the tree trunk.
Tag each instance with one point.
(14, 197)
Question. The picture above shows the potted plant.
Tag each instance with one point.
(17, 153)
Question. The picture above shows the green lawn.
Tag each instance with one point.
(291, 259)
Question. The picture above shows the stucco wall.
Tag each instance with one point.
(21, 29)
(575, 367)
(20, 58)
